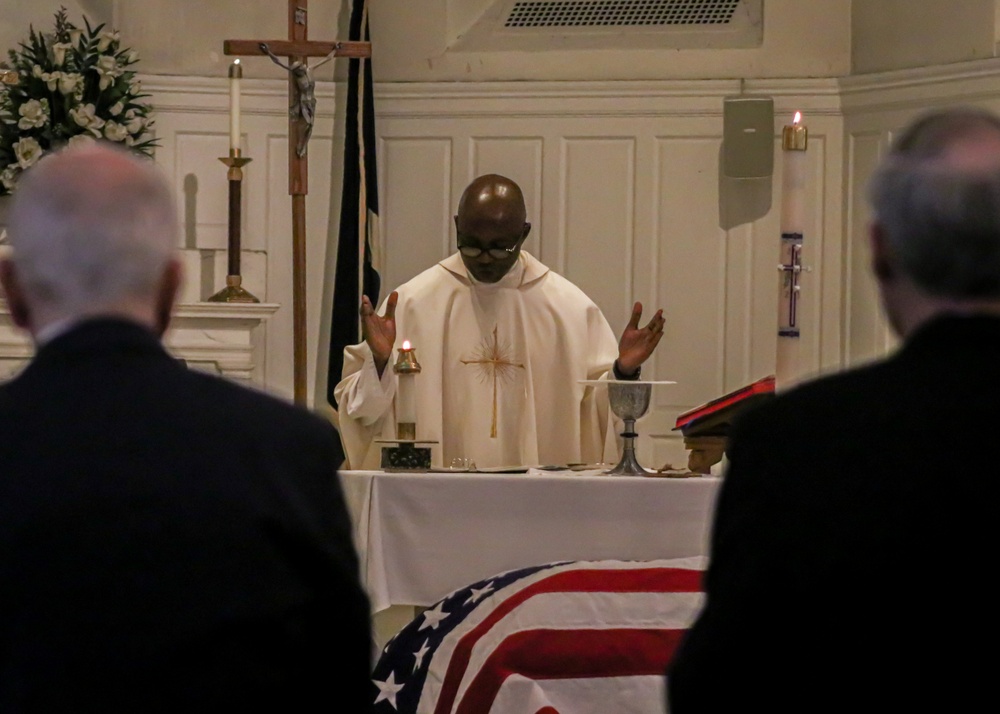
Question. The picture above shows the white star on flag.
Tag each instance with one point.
(478, 595)
(420, 654)
(433, 618)
(387, 690)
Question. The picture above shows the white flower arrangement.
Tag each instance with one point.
(73, 85)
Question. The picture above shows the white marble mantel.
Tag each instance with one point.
(222, 338)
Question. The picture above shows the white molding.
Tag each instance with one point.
(211, 96)
(962, 82)
(245, 313)
(920, 76)
(676, 98)
(218, 337)
(527, 98)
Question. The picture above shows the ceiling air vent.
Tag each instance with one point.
(620, 13)
(541, 25)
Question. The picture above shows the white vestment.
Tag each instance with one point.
(508, 354)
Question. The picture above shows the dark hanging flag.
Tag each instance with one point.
(356, 265)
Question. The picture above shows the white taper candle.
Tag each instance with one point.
(235, 75)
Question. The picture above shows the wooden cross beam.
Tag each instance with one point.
(298, 48)
(284, 48)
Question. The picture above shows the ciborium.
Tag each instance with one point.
(629, 401)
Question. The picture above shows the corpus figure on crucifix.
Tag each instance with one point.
(531, 332)
(304, 104)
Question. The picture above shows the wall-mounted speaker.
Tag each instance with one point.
(747, 137)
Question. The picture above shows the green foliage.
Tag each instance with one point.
(73, 85)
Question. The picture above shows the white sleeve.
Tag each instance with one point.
(363, 395)
(599, 429)
(364, 402)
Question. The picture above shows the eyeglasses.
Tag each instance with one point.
(472, 251)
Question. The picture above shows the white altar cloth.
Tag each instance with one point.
(422, 535)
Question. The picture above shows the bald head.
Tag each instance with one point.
(493, 198)
(93, 232)
(936, 201)
(491, 220)
(937, 134)
(935, 233)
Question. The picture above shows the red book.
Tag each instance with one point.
(715, 417)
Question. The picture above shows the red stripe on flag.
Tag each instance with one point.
(631, 580)
(570, 654)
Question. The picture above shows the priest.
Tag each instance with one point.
(503, 342)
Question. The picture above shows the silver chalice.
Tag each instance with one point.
(629, 401)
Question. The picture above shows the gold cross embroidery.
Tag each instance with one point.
(494, 359)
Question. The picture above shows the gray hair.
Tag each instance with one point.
(941, 215)
(90, 228)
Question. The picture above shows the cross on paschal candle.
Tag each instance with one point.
(298, 49)
(494, 361)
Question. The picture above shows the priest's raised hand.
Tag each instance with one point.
(379, 331)
(637, 344)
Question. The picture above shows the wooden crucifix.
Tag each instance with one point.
(298, 49)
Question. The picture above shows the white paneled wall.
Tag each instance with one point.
(867, 332)
(624, 192)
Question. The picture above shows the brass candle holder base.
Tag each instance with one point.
(233, 292)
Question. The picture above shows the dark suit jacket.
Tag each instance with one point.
(170, 541)
(851, 547)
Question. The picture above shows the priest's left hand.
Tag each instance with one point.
(637, 344)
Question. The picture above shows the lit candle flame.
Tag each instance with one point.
(797, 119)
(406, 344)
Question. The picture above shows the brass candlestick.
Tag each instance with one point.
(234, 292)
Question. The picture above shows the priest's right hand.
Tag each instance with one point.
(379, 331)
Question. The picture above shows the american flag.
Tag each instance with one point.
(576, 637)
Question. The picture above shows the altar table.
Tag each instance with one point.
(422, 535)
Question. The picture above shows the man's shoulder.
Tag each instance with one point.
(843, 398)
(246, 420)
(251, 409)
(181, 410)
